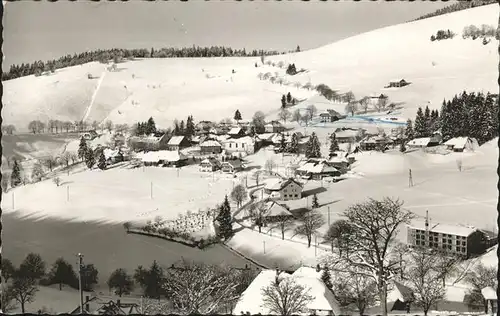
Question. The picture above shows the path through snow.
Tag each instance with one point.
(89, 108)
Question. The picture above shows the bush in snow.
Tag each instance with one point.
(57, 181)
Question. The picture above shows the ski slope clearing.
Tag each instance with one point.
(208, 89)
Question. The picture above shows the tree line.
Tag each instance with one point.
(58, 126)
(461, 5)
(465, 115)
(22, 282)
(117, 55)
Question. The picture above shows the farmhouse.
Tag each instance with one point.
(150, 142)
(210, 165)
(419, 142)
(240, 145)
(113, 155)
(210, 147)
(397, 83)
(289, 189)
(317, 169)
(375, 143)
(274, 127)
(275, 211)
(232, 166)
(166, 158)
(323, 303)
(330, 116)
(455, 239)
(236, 132)
(178, 143)
(341, 162)
(462, 144)
(348, 135)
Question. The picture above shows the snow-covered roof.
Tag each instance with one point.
(269, 136)
(489, 293)
(347, 134)
(165, 155)
(210, 143)
(235, 163)
(317, 167)
(458, 230)
(304, 140)
(242, 140)
(338, 159)
(211, 161)
(176, 140)
(251, 300)
(458, 142)
(109, 153)
(275, 209)
(424, 141)
(273, 184)
(234, 131)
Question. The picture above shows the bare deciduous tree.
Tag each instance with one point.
(284, 296)
(258, 213)
(200, 288)
(351, 287)
(283, 223)
(312, 110)
(424, 280)
(23, 289)
(284, 115)
(480, 277)
(57, 181)
(270, 165)
(371, 243)
(335, 232)
(309, 225)
(239, 194)
(296, 116)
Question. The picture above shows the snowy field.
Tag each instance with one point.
(206, 87)
(121, 194)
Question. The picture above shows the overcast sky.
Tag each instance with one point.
(44, 30)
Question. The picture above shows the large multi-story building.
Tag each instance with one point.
(453, 239)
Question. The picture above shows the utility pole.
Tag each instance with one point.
(315, 245)
(80, 265)
(410, 179)
(13, 198)
(264, 243)
(328, 215)
(151, 190)
(67, 193)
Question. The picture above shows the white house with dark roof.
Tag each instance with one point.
(323, 302)
(210, 165)
(317, 169)
(232, 166)
(274, 127)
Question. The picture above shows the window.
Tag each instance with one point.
(230, 145)
(449, 247)
(463, 249)
(418, 242)
(418, 236)
(296, 195)
(458, 242)
(458, 249)
(463, 243)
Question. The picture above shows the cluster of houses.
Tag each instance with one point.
(457, 144)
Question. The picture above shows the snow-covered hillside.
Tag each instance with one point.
(208, 89)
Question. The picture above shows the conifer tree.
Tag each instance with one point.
(15, 176)
(409, 133)
(182, 128)
(150, 126)
(420, 124)
(225, 221)
(237, 116)
(189, 126)
(283, 102)
(82, 148)
(282, 143)
(294, 144)
(313, 147)
(177, 129)
(334, 146)
(89, 158)
(101, 163)
(289, 97)
(427, 117)
(445, 121)
(326, 277)
(315, 203)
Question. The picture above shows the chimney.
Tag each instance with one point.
(318, 268)
(118, 303)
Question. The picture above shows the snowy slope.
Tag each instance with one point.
(206, 87)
